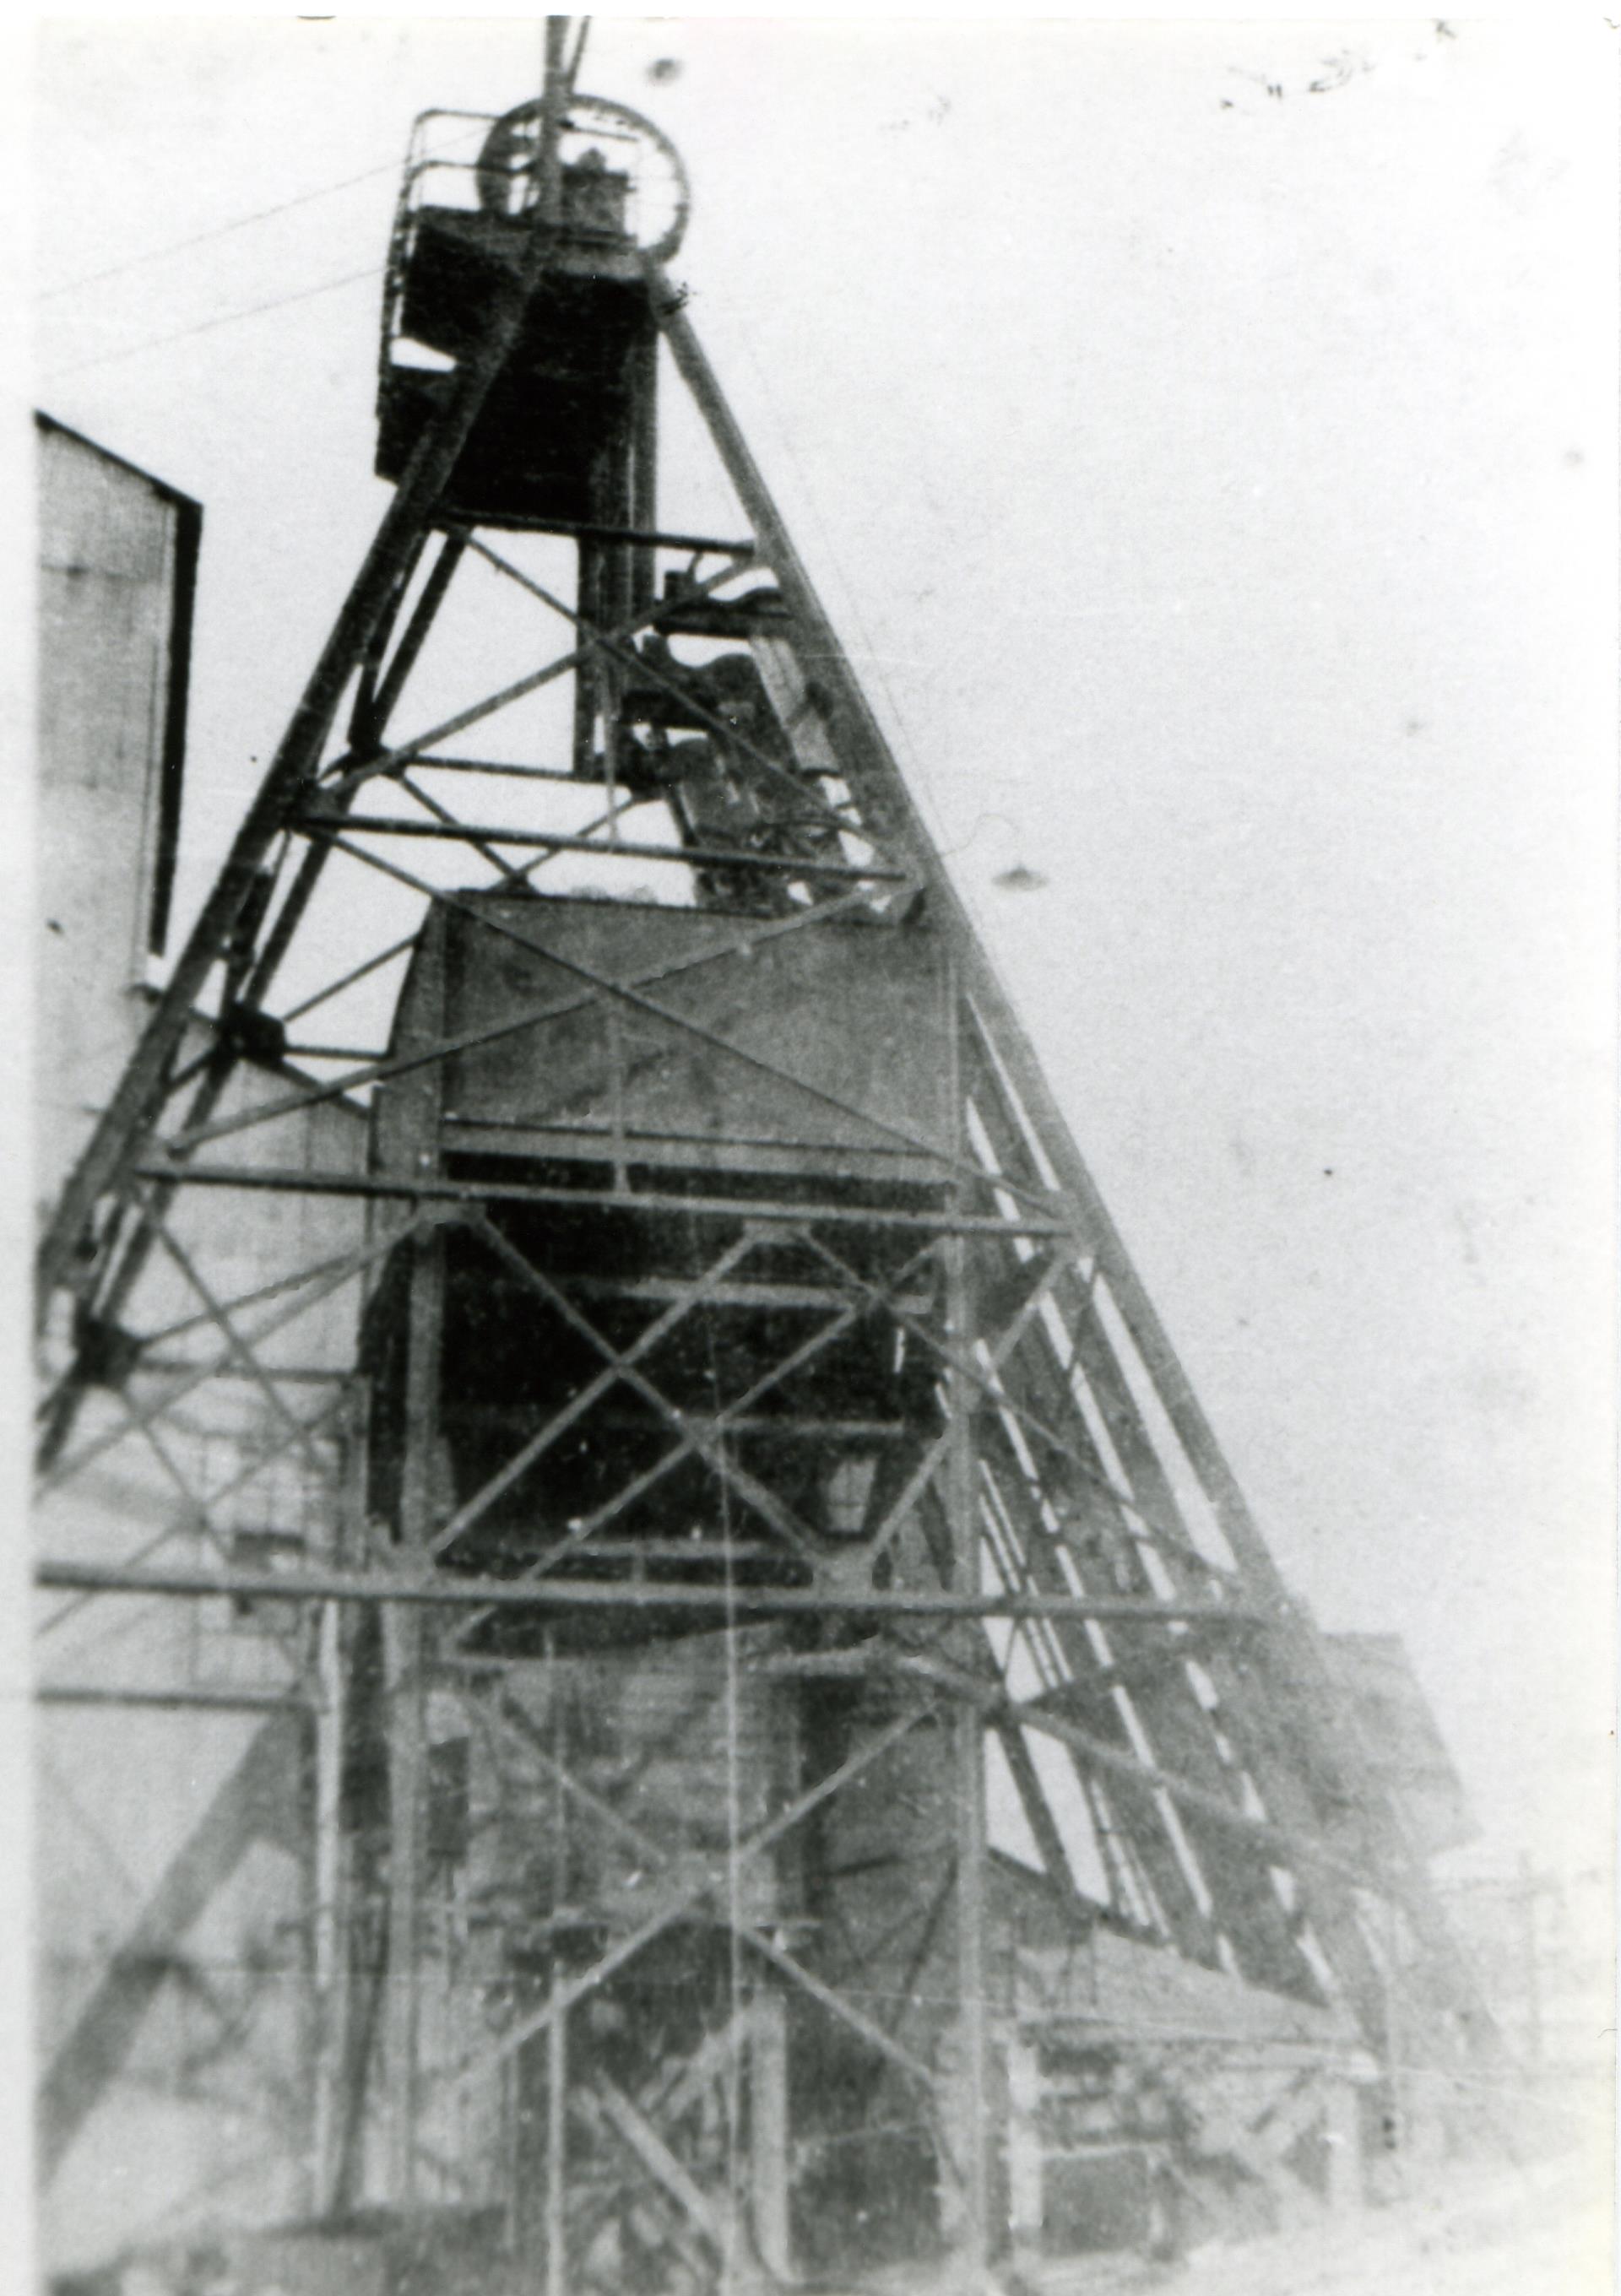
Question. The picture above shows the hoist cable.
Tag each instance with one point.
(222, 230)
(222, 319)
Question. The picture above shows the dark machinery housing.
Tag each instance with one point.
(566, 432)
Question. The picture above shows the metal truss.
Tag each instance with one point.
(904, 1459)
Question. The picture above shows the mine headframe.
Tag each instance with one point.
(724, 1420)
(566, 442)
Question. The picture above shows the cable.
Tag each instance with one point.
(224, 319)
(218, 231)
(241, 223)
(730, 2262)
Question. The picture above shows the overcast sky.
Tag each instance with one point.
(1202, 434)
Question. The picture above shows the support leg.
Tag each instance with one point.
(402, 1631)
(556, 2281)
(1344, 2131)
(331, 1915)
(768, 2132)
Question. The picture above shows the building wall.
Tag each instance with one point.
(117, 556)
(174, 1958)
(194, 2099)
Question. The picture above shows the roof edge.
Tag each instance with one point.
(172, 493)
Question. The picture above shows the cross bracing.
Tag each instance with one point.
(651, 1371)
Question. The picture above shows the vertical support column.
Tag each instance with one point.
(1343, 2129)
(768, 2132)
(556, 2282)
(329, 2116)
(1024, 2146)
(613, 492)
(404, 1637)
(644, 469)
(588, 605)
(962, 1509)
(973, 2027)
(554, 93)
(335, 2108)
(614, 1029)
(402, 1644)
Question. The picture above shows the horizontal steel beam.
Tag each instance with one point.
(353, 767)
(445, 1592)
(631, 1549)
(315, 823)
(647, 536)
(499, 767)
(154, 1359)
(627, 1141)
(295, 1179)
(787, 1427)
(1263, 2049)
(738, 1293)
(180, 1700)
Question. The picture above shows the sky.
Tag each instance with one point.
(1201, 433)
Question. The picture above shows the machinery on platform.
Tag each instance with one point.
(771, 1696)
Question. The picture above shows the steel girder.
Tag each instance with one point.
(1042, 1547)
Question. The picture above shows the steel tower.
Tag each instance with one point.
(678, 1413)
